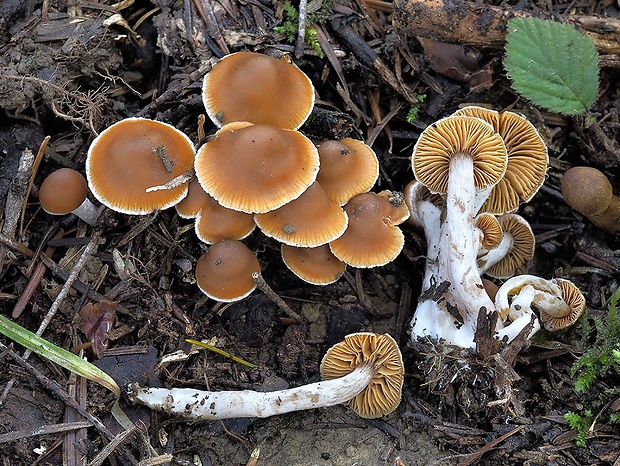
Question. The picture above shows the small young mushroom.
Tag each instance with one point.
(559, 303)
(588, 191)
(224, 272)
(514, 252)
(370, 375)
(348, 167)
(316, 265)
(308, 221)
(131, 157)
(248, 86)
(64, 191)
(372, 238)
(256, 168)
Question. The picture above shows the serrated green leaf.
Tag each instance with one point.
(552, 65)
(58, 355)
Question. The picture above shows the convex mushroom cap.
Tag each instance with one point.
(383, 393)
(133, 156)
(348, 167)
(527, 159)
(588, 191)
(256, 168)
(308, 221)
(372, 237)
(64, 191)
(248, 86)
(213, 221)
(316, 265)
(224, 272)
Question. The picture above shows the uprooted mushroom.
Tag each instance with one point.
(476, 161)
(364, 371)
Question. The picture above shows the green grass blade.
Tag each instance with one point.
(552, 65)
(57, 355)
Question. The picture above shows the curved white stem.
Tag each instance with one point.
(86, 211)
(246, 403)
(488, 258)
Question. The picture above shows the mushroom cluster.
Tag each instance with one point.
(472, 170)
(259, 169)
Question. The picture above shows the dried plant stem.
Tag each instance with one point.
(262, 285)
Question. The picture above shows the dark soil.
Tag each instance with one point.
(69, 68)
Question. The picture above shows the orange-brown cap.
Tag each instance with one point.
(527, 159)
(383, 393)
(455, 135)
(195, 200)
(317, 265)
(214, 223)
(308, 221)
(256, 168)
(248, 86)
(224, 272)
(62, 191)
(348, 167)
(134, 155)
(372, 238)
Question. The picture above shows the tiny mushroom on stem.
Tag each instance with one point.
(369, 376)
(64, 191)
(588, 191)
(316, 265)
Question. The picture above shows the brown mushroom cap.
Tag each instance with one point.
(247, 86)
(527, 159)
(371, 238)
(195, 200)
(491, 230)
(576, 302)
(316, 265)
(224, 272)
(62, 191)
(126, 159)
(256, 168)
(522, 251)
(214, 223)
(588, 191)
(455, 135)
(383, 394)
(308, 221)
(348, 167)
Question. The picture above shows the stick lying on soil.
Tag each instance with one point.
(474, 23)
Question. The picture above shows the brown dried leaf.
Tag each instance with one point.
(95, 321)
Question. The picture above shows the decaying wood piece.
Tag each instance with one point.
(473, 23)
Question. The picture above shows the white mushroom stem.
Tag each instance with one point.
(456, 265)
(86, 211)
(487, 258)
(246, 403)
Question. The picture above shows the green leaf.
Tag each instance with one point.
(552, 64)
(58, 355)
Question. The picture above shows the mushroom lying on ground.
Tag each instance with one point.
(588, 191)
(365, 371)
(559, 303)
(63, 192)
